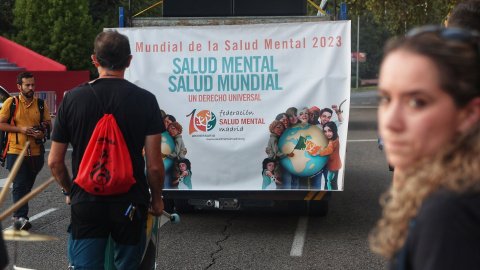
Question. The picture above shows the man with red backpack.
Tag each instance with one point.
(108, 122)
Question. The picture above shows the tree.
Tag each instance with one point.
(58, 29)
(105, 13)
(373, 37)
(399, 16)
(6, 18)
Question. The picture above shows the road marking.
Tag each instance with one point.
(366, 140)
(39, 215)
(363, 107)
(68, 149)
(299, 239)
(3, 181)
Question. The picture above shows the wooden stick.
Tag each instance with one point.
(25, 199)
(13, 173)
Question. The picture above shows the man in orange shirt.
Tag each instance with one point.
(27, 125)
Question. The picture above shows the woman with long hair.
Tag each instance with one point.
(429, 119)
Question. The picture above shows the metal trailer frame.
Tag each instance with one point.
(313, 202)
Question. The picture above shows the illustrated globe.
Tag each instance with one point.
(168, 146)
(300, 138)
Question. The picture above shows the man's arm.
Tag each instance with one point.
(339, 114)
(56, 162)
(5, 126)
(155, 172)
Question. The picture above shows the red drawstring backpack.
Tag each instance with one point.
(106, 167)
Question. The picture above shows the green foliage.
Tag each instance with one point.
(105, 13)
(6, 18)
(400, 16)
(373, 37)
(58, 29)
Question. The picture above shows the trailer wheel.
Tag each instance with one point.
(318, 208)
(183, 207)
(168, 205)
(299, 207)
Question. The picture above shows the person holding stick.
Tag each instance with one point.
(123, 216)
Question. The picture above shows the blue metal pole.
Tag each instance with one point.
(121, 23)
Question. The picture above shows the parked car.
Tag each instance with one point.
(3, 95)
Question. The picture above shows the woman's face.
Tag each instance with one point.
(278, 129)
(293, 119)
(416, 117)
(172, 130)
(328, 132)
(303, 115)
(270, 166)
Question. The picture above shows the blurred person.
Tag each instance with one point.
(429, 120)
(465, 15)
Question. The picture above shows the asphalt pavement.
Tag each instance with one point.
(252, 238)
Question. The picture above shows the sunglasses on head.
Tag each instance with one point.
(455, 34)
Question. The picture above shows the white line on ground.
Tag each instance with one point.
(363, 107)
(299, 239)
(366, 140)
(3, 181)
(68, 149)
(39, 215)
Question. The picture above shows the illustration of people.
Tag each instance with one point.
(175, 131)
(334, 164)
(303, 114)
(326, 115)
(292, 116)
(313, 115)
(184, 179)
(168, 119)
(276, 130)
(270, 180)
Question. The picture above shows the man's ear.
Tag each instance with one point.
(469, 116)
(129, 60)
(94, 59)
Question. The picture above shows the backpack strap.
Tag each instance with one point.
(41, 108)
(101, 106)
(11, 120)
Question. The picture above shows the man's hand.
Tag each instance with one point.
(156, 207)
(335, 108)
(67, 200)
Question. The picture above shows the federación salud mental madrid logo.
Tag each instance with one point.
(202, 121)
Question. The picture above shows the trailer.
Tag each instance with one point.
(225, 81)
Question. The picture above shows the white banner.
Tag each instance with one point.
(225, 85)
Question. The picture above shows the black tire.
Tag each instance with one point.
(299, 207)
(183, 207)
(318, 208)
(168, 205)
(148, 261)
